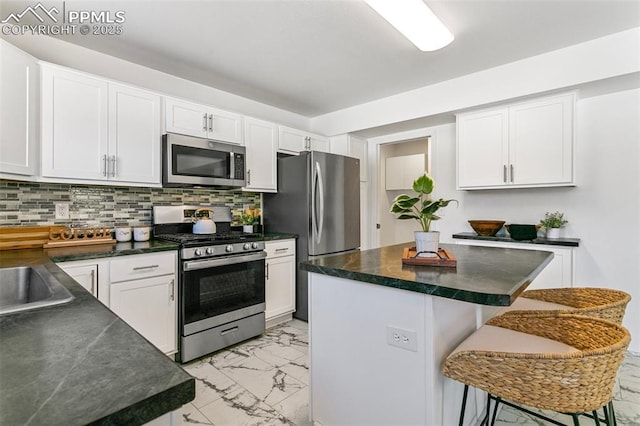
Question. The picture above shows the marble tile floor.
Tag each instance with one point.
(264, 381)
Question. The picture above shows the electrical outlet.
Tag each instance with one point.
(62, 211)
(402, 338)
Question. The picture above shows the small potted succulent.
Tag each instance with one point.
(552, 223)
(249, 218)
(422, 208)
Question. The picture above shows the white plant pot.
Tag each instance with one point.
(553, 233)
(427, 241)
(248, 229)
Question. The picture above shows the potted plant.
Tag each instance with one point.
(552, 223)
(423, 209)
(249, 218)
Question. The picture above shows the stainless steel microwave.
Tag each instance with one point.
(187, 161)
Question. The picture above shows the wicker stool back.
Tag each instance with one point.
(596, 302)
(575, 382)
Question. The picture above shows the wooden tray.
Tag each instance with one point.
(445, 258)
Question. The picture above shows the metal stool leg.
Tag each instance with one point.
(612, 414)
(596, 419)
(495, 411)
(576, 420)
(464, 405)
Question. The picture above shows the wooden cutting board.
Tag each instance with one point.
(444, 258)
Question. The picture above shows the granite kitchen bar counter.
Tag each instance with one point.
(379, 330)
(79, 363)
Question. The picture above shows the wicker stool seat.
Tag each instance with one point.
(597, 302)
(563, 362)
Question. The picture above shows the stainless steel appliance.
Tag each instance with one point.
(221, 283)
(188, 161)
(319, 200)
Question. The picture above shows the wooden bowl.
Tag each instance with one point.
(486, 228)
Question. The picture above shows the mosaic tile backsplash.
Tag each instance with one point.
(33, 204)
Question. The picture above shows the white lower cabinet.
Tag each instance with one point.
(559, 273)
(93, 275)
(280, 291)
(143, 292)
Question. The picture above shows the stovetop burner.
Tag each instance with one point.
(189, 239)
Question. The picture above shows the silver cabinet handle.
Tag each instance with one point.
(104, 165)
(211, 122)
(142, 268)
(113, 166)
(511, 170)
(93, 282)
(282, 249)
(504, 173)
(204, 122)
(266, 270)
(173, 294)
(249, 177)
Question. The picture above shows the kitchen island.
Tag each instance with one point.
(379, 330)
(78, 363)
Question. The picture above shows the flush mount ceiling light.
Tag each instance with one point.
(415, 21)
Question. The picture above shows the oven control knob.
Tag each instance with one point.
(246, 246)
(197, 252)
(209, 250)
(228, 248)
(254, 245)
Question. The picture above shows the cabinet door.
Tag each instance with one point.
(318, 143)
(85, 275)
(291, 140)
(74, 125)
(541, 140)
(186, 118)
(280, 286)
(483, 148)
(18, 111)
(134, 135)
(225, 126)
(148, 305)
(400, 172)
(261, 140)
(558, 273)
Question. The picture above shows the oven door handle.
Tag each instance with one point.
(212, 263)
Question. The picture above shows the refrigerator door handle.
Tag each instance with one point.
(318, 201)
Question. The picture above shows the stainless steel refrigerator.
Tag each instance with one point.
(319, 200)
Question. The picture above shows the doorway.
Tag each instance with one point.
(399, 164)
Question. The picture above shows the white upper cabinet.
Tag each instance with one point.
(19, 92)
(293, 141)
(529, 144)
(202, 121)
(134, 134)
(400, 172)
(261, 140)
(74, 125)
(93, 129)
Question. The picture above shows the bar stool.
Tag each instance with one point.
(560, 362)
(591, 301)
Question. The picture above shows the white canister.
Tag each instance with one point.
(123, 233)
(141, 233)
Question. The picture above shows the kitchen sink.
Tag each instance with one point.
(30, 287)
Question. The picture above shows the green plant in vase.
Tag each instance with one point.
(422, 208)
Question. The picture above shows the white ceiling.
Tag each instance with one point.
(318, 56)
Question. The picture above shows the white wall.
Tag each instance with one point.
(70, 55)
(603, 209)
(603, 58)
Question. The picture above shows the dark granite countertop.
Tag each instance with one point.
(96, 251)
(485, 275)
(79, 363)
(567, 242)
(273, 236)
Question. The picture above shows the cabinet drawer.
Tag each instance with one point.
(142, 266)
(280, 248)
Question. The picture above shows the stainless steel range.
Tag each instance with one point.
(221, 294)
